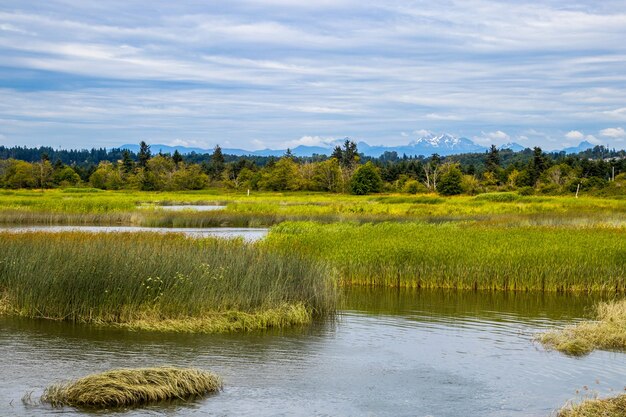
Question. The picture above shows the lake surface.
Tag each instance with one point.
(248, 234)
(389, 353)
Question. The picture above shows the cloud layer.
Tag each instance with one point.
(252, 74)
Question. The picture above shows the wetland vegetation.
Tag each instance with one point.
(133, 387)
(317, 243)
(606, 331)
(143, 281)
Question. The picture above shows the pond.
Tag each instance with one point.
(248, 234)
(388, 353)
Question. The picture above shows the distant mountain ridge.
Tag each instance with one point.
(442, 144)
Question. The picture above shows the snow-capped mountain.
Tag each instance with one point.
(442, 144)
(515, 147)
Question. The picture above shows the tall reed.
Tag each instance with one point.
(463, 255)
(159, 281)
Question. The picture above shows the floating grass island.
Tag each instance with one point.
(133, 387)
(607, 332)
(607, 407)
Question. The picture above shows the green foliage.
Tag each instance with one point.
(450, 181)
(366, 180)
(327, 175)
(281, 176)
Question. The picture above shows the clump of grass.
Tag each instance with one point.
(133, 387)
(607, 331)
(596, 407)
(164, 282)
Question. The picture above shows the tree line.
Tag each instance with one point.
(599, 170)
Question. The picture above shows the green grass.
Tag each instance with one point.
(265, 208)
(133, 387)
(596, 407)
(144, 281)
(463, 255)
(607, 332)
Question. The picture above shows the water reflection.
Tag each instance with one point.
(390, 353)
(248, 234)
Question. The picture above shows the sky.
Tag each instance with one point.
(279, 73)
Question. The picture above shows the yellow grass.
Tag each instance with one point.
(132, 387)
(224, 321)
(607, 332)
(608, 407)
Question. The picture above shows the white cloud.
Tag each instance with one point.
(436, 116)
(613, 132)
(404, 134)
(190, 143)
(574, 135)
(422, 132)
(498, 135)
(307, 141)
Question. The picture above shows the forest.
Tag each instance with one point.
(599, 170)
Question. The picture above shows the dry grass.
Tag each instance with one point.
(132, 387)
(607, 331)
(224, 321)
(608, 407)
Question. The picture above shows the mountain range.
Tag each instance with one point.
(442, 144)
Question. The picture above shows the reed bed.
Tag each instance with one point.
(607, 332)
(133, 387)
(463, 255)
(160, 282)
(596, 407)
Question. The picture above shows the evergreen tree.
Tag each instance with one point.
(492, 162)
(177, 157)
(127, 162)
(216, 166)
(337, 154)
(144, 154)
(350, 155)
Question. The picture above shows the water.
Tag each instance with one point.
(389, 353)
(248, 234)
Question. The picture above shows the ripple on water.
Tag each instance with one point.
(424, 353)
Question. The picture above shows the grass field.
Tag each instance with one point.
(78, 206)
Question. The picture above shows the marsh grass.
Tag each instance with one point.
(266, 208)
(463, 255)
(607, 332)
(164, 282)
(133, 387)
(596, 407)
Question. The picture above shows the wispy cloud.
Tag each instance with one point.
(260, 74)
(613, 132)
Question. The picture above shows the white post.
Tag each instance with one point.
(577, 188)
(248, 192)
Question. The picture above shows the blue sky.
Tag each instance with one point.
(278, 73)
